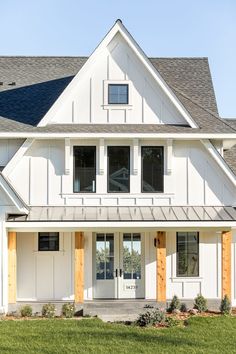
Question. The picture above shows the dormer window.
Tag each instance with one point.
(118, 93)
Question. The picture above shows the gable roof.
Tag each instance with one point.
(40, 80)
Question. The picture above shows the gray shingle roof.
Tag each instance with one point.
(40, 80)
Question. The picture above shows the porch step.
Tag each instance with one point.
(118, 310)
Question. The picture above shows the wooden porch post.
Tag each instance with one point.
(79, 267)
(161, 266)
(226, 239)
(11, 267)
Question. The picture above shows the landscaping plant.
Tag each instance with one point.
(68, 310)
(225, 306)
(175, 304)
(200, 303)
(26, 311)
(49, 310)
(183, 307)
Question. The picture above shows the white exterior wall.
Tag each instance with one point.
(44, 275)
(8, 148)
(195, 178)
(209, 281)
(50, 275)
(117, 63)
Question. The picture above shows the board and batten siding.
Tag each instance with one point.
(50, 275)
(44, 275)
(87, 102)
(40, 178)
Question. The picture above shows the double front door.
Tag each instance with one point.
(118, 266)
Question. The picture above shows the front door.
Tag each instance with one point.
(118, 266)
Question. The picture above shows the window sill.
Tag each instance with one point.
(48, 252)
(186, 279)
(117, 106)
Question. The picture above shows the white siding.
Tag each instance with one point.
(196, 179)
(8, 148)
(44, 275)
(148, 103)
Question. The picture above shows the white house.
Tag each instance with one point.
(118, 179)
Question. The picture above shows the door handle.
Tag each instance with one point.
(116, 272)
(121, 272)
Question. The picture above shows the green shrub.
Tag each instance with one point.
(200, 303)
(225, 306)
(26, 311)
(151, 317)
(172, 322)
(49, 310)
(183, 307)
(175, 304)
(68, 310)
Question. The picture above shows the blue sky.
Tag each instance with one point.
(162, 28)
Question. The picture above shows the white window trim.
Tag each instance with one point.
(106, 105)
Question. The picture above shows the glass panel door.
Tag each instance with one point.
(131, 282)
(105, 281)
(105, 256)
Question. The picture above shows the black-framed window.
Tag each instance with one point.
(152, 169)
(48, 241)
(187, 254)
(118, 93)
(84, 169)
(118, 169)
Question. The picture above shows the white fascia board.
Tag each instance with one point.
(176, 136)
(18, 155)
(117, 225)
(220, 161)
(118, 27)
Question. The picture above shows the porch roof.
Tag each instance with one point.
(127, 214)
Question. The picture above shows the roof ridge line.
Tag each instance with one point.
(205, 109)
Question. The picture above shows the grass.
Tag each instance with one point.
(201, 335)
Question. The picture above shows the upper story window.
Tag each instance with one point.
(118, 169)
(118, 93)
(84, 169)
(152, 169)
(48, 241)
(187, 254)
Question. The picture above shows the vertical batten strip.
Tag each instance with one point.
(79, 267)
(161, 266)
(226, 238)
(12, 267)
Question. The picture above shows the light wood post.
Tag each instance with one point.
(161, 266)
(11, 267)
(79, 267)
(226, 239)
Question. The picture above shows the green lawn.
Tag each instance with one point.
(201, 335)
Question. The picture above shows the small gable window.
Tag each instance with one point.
(118, 94)
(48, 241)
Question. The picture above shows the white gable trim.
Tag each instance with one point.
(220, 161)
(12, 195)
(16, 158)
(118, 27)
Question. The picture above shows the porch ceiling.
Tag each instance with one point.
(127, 214)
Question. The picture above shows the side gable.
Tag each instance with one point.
(118, 58)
